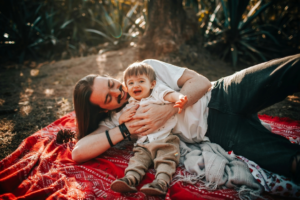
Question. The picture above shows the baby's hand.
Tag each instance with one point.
(128, 114)
(179, 104)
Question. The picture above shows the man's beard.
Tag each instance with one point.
(119, 99)
(122, 91)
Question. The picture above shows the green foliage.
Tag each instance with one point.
(46, 29)
(240, 30)
(243, 30)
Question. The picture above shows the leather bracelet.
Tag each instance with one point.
(122, 132)
(108, 138)
(125, 132)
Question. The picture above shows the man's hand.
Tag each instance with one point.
(128, 114)
(180, 103)
(151, 117)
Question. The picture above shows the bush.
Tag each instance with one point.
(257, 31)
(50, 29)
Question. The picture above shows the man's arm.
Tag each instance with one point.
(193, 85)
(96, 143)
(152, 116)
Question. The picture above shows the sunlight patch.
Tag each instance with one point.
(25, 110)
(29, 92)
(2, 101)
(49, 92)
(133, 44)
(34, 72)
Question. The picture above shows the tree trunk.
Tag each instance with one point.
(167, 28)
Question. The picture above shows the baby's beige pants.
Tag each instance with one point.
(164, 154)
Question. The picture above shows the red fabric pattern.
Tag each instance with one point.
(284, 126)
(42, 169)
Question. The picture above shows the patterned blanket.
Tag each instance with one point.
(42, 169)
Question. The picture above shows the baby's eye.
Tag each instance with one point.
(130, 83)
(141, 81)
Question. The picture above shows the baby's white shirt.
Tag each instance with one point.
(156, 97)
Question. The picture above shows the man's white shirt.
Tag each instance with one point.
(191, 123)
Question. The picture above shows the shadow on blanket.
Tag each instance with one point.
(42, 169)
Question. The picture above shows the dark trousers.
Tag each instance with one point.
(235, 101)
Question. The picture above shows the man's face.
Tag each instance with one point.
(108, 93)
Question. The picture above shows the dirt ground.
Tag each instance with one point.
(35, 94)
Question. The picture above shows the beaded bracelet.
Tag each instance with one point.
(125, 132)
(108, 138)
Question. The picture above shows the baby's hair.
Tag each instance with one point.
(139, 68)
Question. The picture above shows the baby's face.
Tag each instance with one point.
(139, 86)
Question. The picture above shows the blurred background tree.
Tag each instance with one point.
(238, 31)
(168, 26)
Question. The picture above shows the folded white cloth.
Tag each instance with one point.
(210, 164)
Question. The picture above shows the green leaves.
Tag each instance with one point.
(254, 50)
(126, 21)
(46, 29)
(249, 19)
(99, 33)
(237, 30)
(234, 54)
(66, 23)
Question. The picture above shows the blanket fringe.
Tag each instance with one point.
(248, 194)
(187, 178)
(193, 179)
(244, 193)
(210, 186)
(183, 152)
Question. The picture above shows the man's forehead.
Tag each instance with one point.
(99, 89)
(100, 82)
(101, 78)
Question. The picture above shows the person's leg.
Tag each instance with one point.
(165, 154)
(247, 137)
(139, 163)
(135, 171)
(252, 89)
(296, 168)
(167, 158)
(240, 96)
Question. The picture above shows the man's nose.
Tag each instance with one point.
(115, 92)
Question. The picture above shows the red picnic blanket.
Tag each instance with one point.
(42, 169)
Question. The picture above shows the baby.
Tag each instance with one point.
(161, 147)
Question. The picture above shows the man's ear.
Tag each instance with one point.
(153, 84)
(124, 88)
